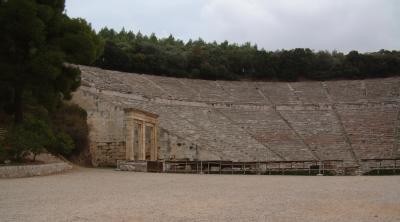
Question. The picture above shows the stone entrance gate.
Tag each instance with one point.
(140, 135)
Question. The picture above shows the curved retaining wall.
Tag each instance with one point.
(33, 170)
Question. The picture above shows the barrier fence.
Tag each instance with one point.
(304, 167)
(381, 166)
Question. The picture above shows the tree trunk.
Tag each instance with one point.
(18, 112)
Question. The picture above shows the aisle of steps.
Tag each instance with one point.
(268, 129)
(235, 141)
(347, 120)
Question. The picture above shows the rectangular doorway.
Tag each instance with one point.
(149, 142)
(137, 141)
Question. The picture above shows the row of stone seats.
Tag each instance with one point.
(208, 91)
(171, 121)
(278, 92)
(232, 141)
(104, 80)
(310, 92)
(173, 87)
(207, 128)
(269, 129)
(346, 91)
(321, 131)
(243, 134)
(371, 129)
(387, 89)
(372, 90)
(139, 85)
(242, 92)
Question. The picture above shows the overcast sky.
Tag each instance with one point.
(344, 25)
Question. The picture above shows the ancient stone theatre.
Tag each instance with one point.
(145, 117)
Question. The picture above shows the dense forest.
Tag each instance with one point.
(135, 52)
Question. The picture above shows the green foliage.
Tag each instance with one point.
(127, 51)
(3, 153)
(31, 136)
(36, 40)
(79, 42)
(64, 144)
(70, 120)
(60, 134)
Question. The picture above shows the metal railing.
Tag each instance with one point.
(387, 166)
(330, 167)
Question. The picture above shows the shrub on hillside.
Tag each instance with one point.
(69, 122)
(3, 153)
(64, 144)
(64, 132)
(31, 136)
(61, 130)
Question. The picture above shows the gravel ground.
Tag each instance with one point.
(108, 195)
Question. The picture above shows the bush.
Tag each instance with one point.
(31, 136)
(3, 153)
(62, 132)
(70, 124)
(64, 144)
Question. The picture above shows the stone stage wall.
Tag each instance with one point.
(245, 121)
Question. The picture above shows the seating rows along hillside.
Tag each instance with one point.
(257, 121)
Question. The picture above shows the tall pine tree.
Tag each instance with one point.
(37, 39)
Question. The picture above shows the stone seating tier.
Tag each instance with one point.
(249, 121)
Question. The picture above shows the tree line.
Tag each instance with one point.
(135, 52)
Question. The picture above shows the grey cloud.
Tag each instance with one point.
(364, 25)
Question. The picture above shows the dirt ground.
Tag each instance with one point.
(108, 195)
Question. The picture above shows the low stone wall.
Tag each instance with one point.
(33, 170)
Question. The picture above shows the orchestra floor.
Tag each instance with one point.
(108, 195)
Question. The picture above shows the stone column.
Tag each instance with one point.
(155, 144)
(129, 138)
(152, 143)
(142, 146)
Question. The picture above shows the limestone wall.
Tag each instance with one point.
(245, 121)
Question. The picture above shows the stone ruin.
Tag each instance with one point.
(347, 120)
